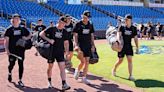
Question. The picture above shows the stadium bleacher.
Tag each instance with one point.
(4, 22)
(161, 9)
(139, 13)
(100, 20)
(31, 11)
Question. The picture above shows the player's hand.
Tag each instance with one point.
(76, 48)
(66, 54)
(51, 41)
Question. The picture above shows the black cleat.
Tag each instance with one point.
(66, 87)
(20, 83)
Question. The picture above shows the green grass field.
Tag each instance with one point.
(148, 68)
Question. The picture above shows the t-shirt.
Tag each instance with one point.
(84, 33)
(59, 37)
(150, 29)
(40, 28)
(14, 35)
(69, 29)
(160, 28)
(142, 27)
(128, 34)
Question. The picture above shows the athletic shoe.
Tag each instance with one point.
(76, 74)
(84, 80)
(66, 87)
(50, 85)
(9, 77)
(21, 83)
(131, 78)
(67, 71)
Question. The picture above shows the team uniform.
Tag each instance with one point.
(14, 35)
(59, 36)
(159, 29)
(69, 30)
(84, 37)
(142, 29)
(127, 35)
(150, 30)
(40, 28)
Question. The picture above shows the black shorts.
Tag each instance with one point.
(70, 45)
(144, 33)
(57, 57)
(86, 51)
(128, 51)
(159, 32)
(149, 32)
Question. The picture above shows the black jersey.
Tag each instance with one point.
(59, 37)
(84, 33)
(14, 35)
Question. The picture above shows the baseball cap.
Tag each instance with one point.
(16, 15)
(63, 18)
(128, 16)
(87, 13)
(39, 19)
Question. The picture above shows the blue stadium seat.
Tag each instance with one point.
(100, 20)
(140, 14)
(31, 11)
(4, 23)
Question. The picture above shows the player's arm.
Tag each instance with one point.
(66, 46)
(119, 33)
(92, 39)
(136, 41)
(28, 35)
(75, 38)
(75, 35)
(6, 43)
(43, 35)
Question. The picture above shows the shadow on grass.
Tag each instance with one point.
(105, 85)
(146, 83)
(122, 77)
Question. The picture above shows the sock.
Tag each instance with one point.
(49, 79)
(63, 82)
(20, 79)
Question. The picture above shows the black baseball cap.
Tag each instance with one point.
(16, 15)
(87, 13)
(128, 16)
(63, 18)
(39, 19)
(51, 21)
